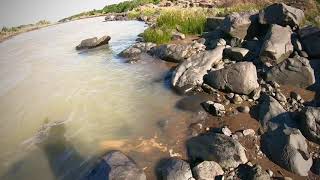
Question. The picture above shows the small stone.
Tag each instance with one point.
(281, 97)
(208, 89)
(213, 108)
(178, 36)
(270, 172)
(226, 131)
(239, 134)
(237, 99)
(234, 136)
(255, 95)
(207, 170)
(295, 96)
(249, 164)
(244, 97)
(226, 102)
(244, 109)
(230, 96)
(248, 132)
(275, 84)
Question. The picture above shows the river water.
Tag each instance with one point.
(60, 109)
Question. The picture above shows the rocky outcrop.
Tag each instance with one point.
(241, 25)
(277, 45)
(117, 17)
(135, 50)
(207, 170)
(177, 52)
(239, 78)
(288, 148)
(293, 71)
(220, 148)
(191, 71)
(93, 42)
(310, 38)
(176, 169)
(116, 165)
(281, 14)
(310, 122)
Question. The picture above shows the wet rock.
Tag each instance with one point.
(213, 108)
(288, 148)
(178, 36)
(175, 169)
(136, 49)
(310, 38)
(244, 109)
(281, 14)
(93, 42)
(236, 53)
(293, 71)
(192, 103)
(176, 52)
(116, 165)
(241, 25)
(257, 173)
(191, 71)
(316, 166)
(207, 170)
(310, 121)
(239, 78)
(220, 148)
(277, 45)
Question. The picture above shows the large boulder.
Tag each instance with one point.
(176, 169)
(177, 52)
(288, 148)
(281, 14)
(191, 71)
(293, 71)
(220, 148)
(240, 78)
(116, 165)
(134, 52)
(207, 170)
(93, 42)
(241, 25)
(311, 123)
(310, 38)
(272, 115)
(277, 45)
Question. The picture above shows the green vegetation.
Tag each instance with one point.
(221, 11)
(7, 30)
(145, 11)
(157, 35)
(126, 6)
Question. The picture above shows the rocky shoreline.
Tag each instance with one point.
(244, 65)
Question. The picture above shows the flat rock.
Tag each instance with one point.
(239, 78)
(281, 14)
(310, 38)
(207, 170)
(191, 71)
(93, 42)
(293, 71)
(176, 169)
(220, 148)
(310, 122)
(116, 165)
(277, 45)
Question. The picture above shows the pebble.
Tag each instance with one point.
(244, 109)
(248, 132)
(237, 99)
(239, 134)
(230, 96)
(234, 136)
(270, 172)
(281, 97)
(226, 131)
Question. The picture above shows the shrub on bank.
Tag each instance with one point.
(126, 6)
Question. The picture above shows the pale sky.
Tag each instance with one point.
(17, 12)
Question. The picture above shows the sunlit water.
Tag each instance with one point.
(59, 108)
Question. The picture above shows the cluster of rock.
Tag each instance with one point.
(93, 42)
(117, 17)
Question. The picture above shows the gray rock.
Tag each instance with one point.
(222, 149)
(281, 14)
(178, 36)
(277, 45)
(236, 53)
(237, 99)
(241, 25)
(215, 109)
(116, 165)
(310, 38)
(316, 166)
(310, 122)
(257, 173)
(213, 22)
(176, 169)
(244, 109)
(191, 71)
(177, 52)
(136, 49)
(288, 148)
(239, 78)
(207, 170)
(293, 71)
(93, 42)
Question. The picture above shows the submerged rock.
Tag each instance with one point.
(311, 123)
(176, 169)
(293, 71)
(93, 42)
(239, 78)
(220, 148)
(134, 52)
(277, 45)
(207, 170)
(191, 71)
(116, 165)
(281, 14)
